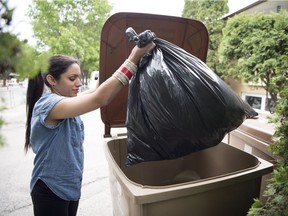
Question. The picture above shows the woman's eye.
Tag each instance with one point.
(72, 78)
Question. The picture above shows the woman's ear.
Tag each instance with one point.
(50, 80)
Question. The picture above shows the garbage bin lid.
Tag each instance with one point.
(189, 34)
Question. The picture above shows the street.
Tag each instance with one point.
(16, 166)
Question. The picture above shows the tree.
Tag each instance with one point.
(30, 62)
(16, 56)
(254, 47)
(19, 57)
(209, 12)
(9, 44)
(10, 48)
(5, 14)
(70, 27)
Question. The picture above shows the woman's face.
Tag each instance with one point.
(69, 83)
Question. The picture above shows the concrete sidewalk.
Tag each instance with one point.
(16, 168)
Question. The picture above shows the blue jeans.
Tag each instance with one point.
(46, 203)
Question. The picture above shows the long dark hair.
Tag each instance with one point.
(58, 64)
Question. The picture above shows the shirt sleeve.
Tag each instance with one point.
(46, 103)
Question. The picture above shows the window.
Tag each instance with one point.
(259, 102)
(254, 102)
(278, 8)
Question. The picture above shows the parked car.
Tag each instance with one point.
(93, 78)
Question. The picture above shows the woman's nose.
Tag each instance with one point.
(79, 82)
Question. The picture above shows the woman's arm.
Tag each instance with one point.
(102, 96)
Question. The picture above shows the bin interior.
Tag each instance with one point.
(214, 162)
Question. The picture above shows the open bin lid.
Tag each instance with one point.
(189, 34)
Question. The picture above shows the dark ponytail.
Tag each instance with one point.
(34, 91)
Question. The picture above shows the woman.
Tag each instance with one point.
(54, 129)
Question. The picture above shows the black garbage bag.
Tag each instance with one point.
(177, 105)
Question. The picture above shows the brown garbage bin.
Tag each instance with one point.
(219, 181)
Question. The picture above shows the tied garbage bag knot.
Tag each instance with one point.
(142, 39)
(177, 105)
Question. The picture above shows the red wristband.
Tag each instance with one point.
(125, 71)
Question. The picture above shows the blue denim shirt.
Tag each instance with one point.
(59, 150)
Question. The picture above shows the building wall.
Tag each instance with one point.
(268, 6)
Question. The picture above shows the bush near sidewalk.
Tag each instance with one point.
(277, 188)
